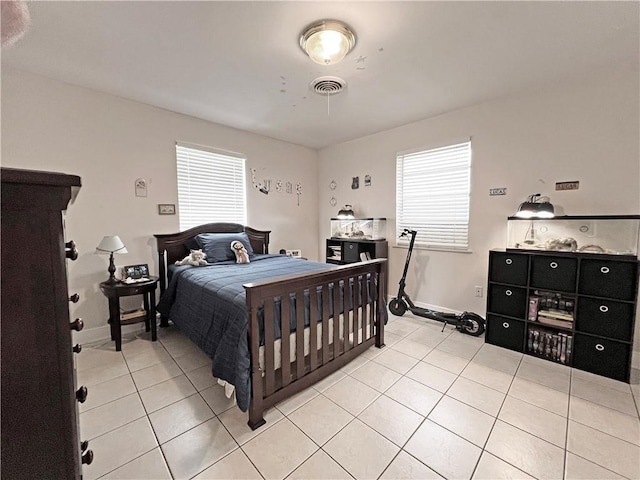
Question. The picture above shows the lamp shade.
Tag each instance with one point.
(111, 244)
(346, 212)
(327, 42)
(535, 207)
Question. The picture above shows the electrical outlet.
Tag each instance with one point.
(478, 291)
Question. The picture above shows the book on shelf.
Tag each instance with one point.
(555, 322)
(559, 314)
(533, 308)
(129, 314)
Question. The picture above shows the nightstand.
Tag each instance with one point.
(116, 290)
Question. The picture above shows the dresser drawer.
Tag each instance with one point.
(605, 317)
(602, 357)
(508, 268)
(505, 332)
(510, 301)
(554, 273)
(608, 278)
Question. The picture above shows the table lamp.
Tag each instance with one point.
(111, 244)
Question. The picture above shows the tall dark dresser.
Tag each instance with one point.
(39, 395)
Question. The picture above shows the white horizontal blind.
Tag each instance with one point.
(211, 187)
(432, 196)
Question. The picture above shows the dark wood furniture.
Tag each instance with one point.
(315, 357)
(113, 291)
(589, 299)
(342, 251)
(39, 395)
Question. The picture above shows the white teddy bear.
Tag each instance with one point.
(195, 258)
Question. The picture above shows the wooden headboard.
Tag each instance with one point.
(173, 246)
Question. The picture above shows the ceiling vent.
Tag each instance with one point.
(328, 85)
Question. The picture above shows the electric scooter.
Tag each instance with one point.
(467, 322)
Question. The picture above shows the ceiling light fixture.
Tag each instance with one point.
(327, 42)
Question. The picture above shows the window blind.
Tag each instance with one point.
(211, 187)
(432, 196)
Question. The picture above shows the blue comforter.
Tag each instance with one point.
(208, 304)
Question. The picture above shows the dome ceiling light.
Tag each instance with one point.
(327, 42)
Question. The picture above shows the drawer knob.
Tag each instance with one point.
(87, 457)
(505, 325)
(77, 324)
(604, 308)
(71, 252)
(74, 298)
(508, 261)
(77, 348)
(604, 269)
(81, 394)
(553, 265)
(599, 347)
(508, 293)
(84, 445)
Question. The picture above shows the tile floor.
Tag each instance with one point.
(427, 406)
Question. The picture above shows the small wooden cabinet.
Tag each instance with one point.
(570, 308)
(343, 251)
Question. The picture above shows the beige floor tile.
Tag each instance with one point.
(413, 349)
(179, 346)
(577, 468)
(528, 453)
(150, 376)
(476, 395)
(96, 375)
(444, 452)
(166, 393)
(354, 364)
(414, 395)
(540, 396)
(428, 336)
(235, 466)
(446, 361)
(396, 361)
(198, 449)
(406, 467)
(319, 466)
(279, 450)
(552, 378)
(293, 403)
(604, 450)
(332, 379)
(361, 451)
(498, 358)
(352, 395)
(147, 358)
(600, 380)
(110, 416)
(106, 392)
(202, 377)
(535, 420)
(235, 420)
(432, 376)
(605, 419)
(193, 360)
(391, 339)
(217, 400)
(376, 376)
(102, 356)
(320, 419)
(463, 420)
(177, 418)
(487, 376)
(603, 395)
(372, 352)
(458, 347)
(391, 419)
(492, 468)
(118, 447)
(398, 327)
(150, 466)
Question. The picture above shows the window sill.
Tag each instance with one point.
(420, 247)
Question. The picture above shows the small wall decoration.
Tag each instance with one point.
(333, 185)
(298, 191)
(367, 180)
(279, 186)
(355, 183)
(166, 209)
(264, 187)
(333, 202)
(289, 187)
(141, 187)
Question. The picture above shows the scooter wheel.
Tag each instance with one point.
(472, 324)
(397, 307)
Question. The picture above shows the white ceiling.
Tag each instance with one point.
(239, 64)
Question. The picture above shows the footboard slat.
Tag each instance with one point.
(338, 290)
(325, 323)
(300, 334)
(269, 339)
(313, 332)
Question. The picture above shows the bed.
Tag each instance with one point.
(242, 315)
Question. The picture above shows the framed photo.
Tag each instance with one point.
(166, 209)
(135, 272)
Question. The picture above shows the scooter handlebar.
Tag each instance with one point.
(406, 232)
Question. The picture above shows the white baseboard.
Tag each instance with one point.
(103, 333)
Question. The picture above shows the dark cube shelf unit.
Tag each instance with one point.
(569, 308)
(342, 251)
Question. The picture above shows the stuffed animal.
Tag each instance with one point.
(195, 258)
(242, 256)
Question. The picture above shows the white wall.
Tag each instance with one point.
(109, 142)
(586, 130)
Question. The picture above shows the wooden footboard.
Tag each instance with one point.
(342, 333)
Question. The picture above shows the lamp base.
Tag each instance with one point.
(112, 270)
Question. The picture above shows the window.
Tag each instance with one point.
(211, 187)
(432, 196)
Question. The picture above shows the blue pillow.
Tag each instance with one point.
(217, 246)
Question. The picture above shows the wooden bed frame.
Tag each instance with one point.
(362, 327)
